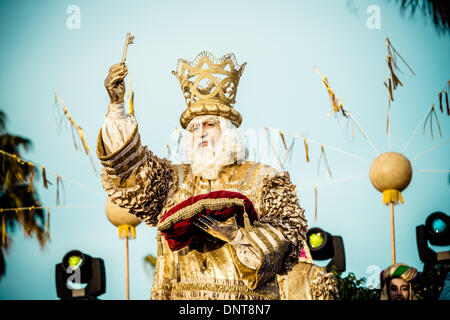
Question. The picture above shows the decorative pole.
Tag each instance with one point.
(391, 204)
(125, 223)
(390, 173)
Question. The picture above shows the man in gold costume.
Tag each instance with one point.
(228, 260)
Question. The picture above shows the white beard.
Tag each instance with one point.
(209, 160)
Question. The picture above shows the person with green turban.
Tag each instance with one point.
(396, 282)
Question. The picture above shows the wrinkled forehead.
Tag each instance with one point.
(200, 120)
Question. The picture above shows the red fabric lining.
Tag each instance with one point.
(183, 232)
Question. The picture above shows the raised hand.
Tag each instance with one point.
(225, 231)
(114, 83)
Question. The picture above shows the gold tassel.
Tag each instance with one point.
(429, 118)
(58, 182)
(74, 124)
(394, 54)
(306, 149)
(31, 213)
(169, 154)
(325, 159)
(126, 231)
(336, 103)
(392, 195)
(437, 122)
(282, 139)
(44, 178)
(388, 85)
(391, 60)
(30, 181)
(395, 80)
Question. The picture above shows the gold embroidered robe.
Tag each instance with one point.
(148, 186)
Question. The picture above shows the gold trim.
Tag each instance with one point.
(190, 211)
(120, 159)
(126, 167)
(101, 153)
(270, 253)
(213, 108)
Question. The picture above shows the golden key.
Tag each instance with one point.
(128, 41)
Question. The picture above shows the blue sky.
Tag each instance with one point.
(281, 41)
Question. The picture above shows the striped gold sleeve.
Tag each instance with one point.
(135, 178)
(264, 260)
(281, 211)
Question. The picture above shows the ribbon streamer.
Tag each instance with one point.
(388, 85)
(394, 53)
(79, 130)
(322, 154)
(58, 182)
(44, 178)
(288, 152)
(336, 103)
(168, 151)
(74, 124)
(282, 139)
(429, 118)
(32, 211)
(30, 179)
(269, 140)
(393, 81)
(21, 178)
(305, 142)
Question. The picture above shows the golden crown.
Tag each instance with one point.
(209, 86)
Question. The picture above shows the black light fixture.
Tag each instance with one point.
(323, 246)
(80, 277)
(436, 231)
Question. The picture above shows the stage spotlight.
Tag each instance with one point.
(436, 231)
(437, 227)
(323, 246)
(79, 276)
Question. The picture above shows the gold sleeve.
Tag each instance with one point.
(280, 209)
(135, 178)
(270, 246)
(323, 285)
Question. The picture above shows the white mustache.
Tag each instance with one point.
(206, 139)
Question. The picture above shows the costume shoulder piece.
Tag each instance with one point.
(282, 210)
(134, 178)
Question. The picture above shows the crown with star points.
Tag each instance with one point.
(209, 86)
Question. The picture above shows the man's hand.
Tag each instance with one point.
(114, 83)
(225, 231)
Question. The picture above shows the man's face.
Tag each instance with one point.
(206, 132)
(398, 289)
